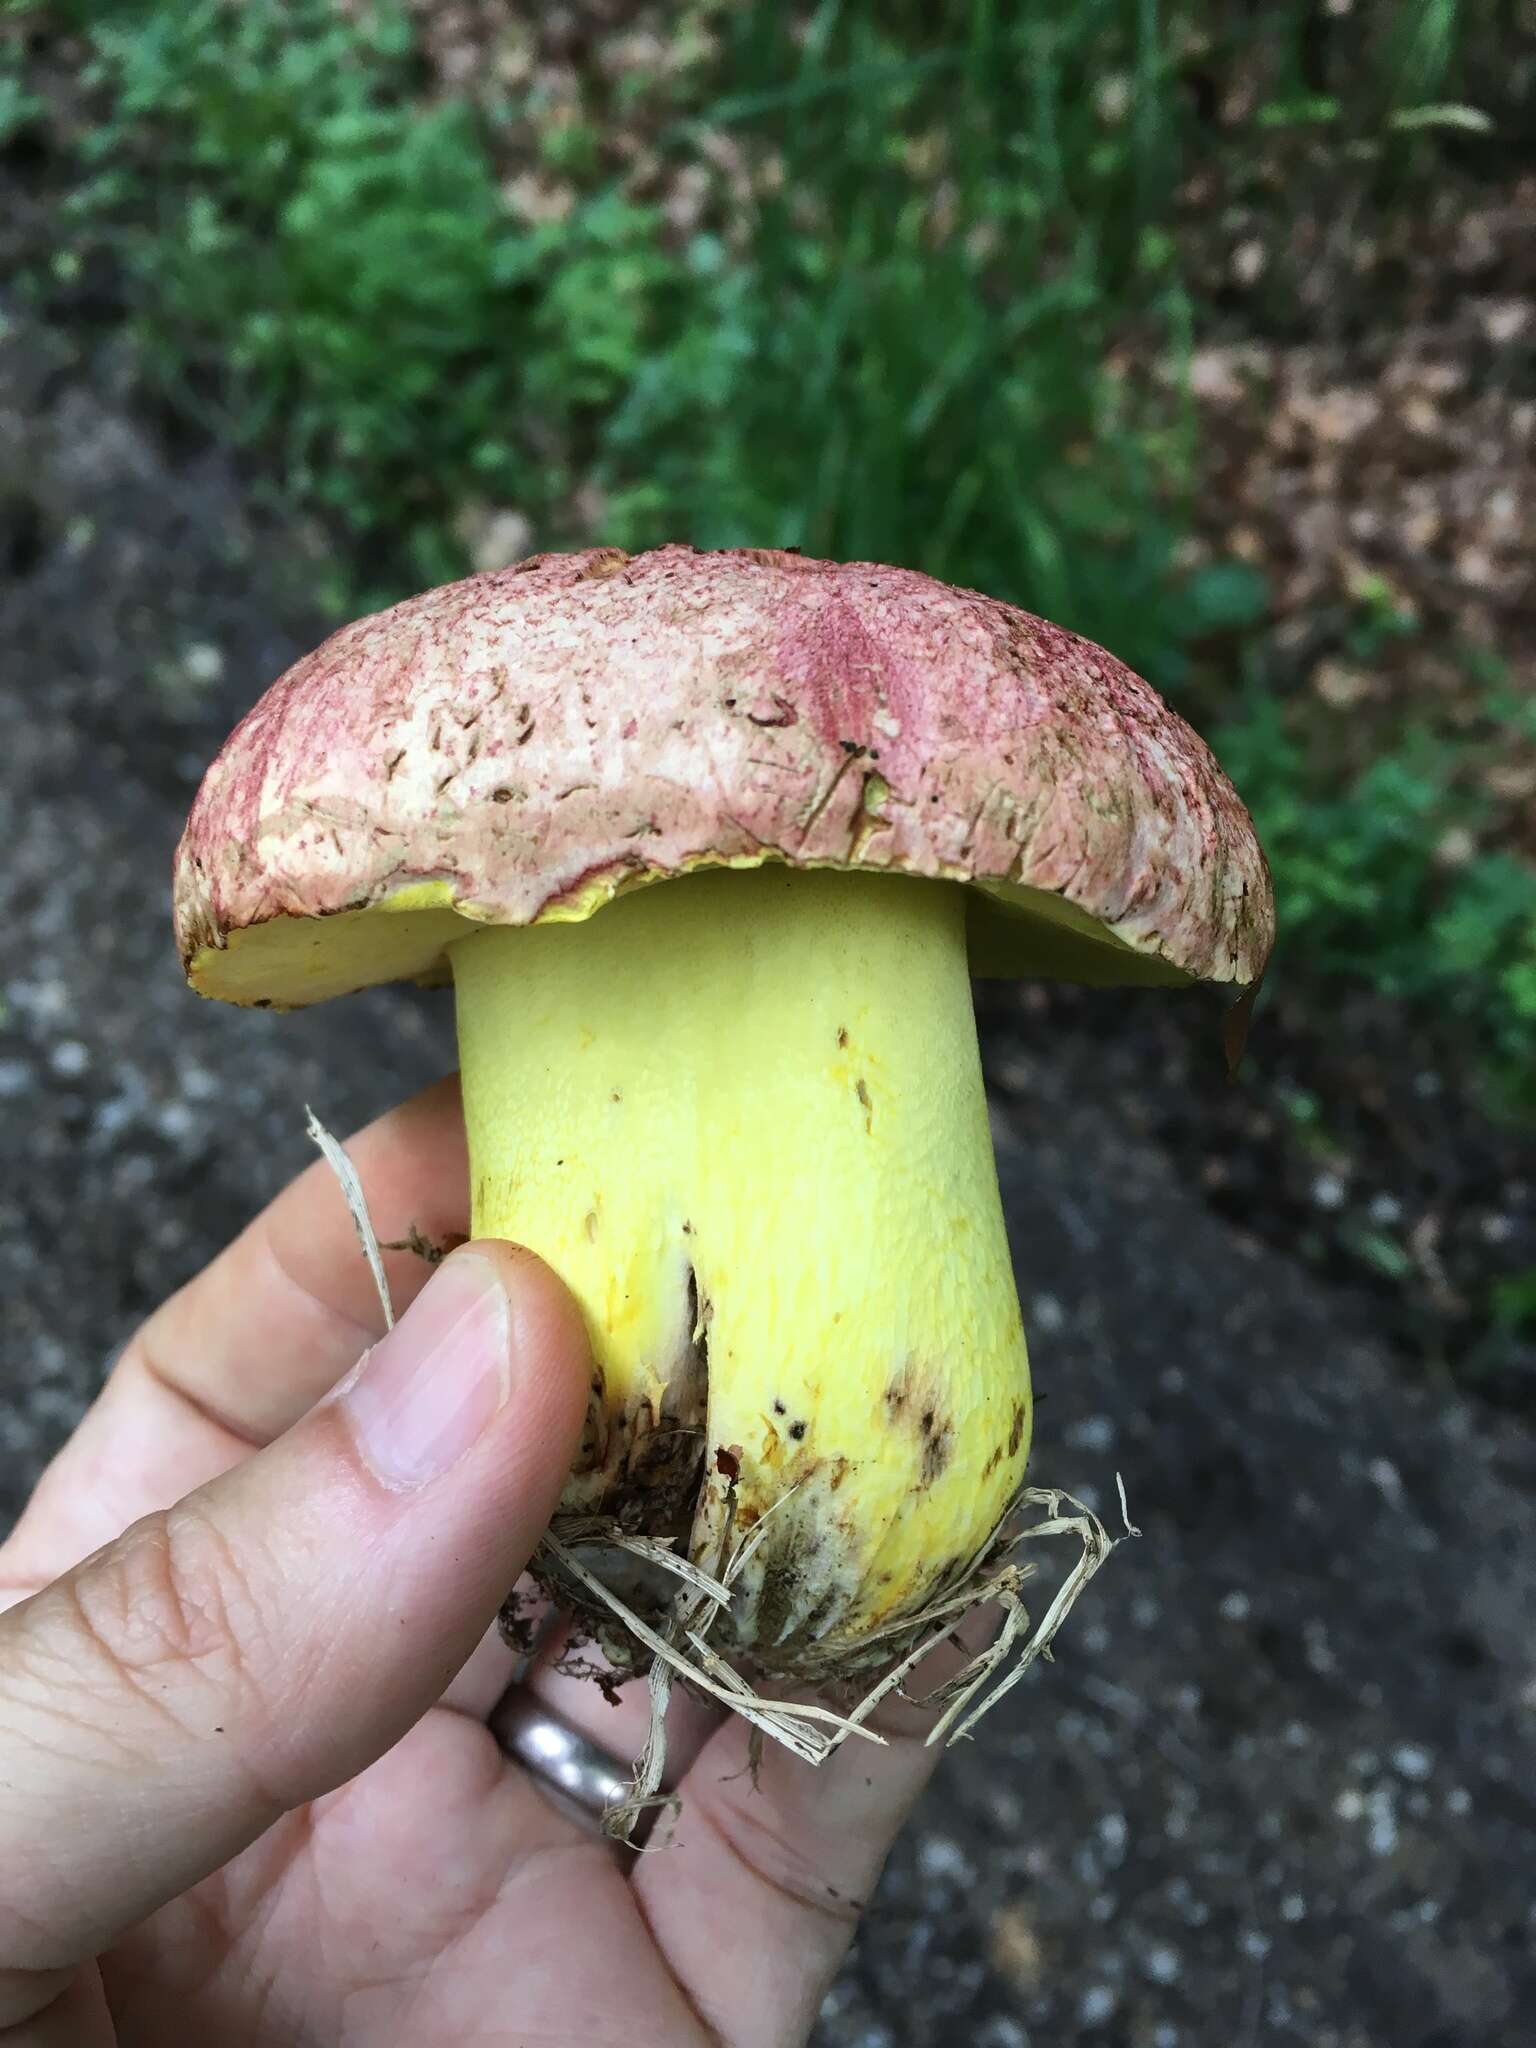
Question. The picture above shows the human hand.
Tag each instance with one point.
(247, 1792)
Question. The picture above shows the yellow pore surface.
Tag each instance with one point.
(770, 1080)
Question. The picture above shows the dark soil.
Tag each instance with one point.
(1277, 1785)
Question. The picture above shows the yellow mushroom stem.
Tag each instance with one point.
(742, 1115)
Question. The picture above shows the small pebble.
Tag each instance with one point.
(1097, 2005)
(178, 1122)
(1387, 1480)
(940, 1858)
(1092, 1433)
(1318, 1650)
(1002, 2032)
(1383, 1835)
(1048, 1314)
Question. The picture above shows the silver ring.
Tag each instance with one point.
(566, 1764)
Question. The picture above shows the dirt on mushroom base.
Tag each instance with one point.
(679, 1649)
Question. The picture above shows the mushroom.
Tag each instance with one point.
(710, 845)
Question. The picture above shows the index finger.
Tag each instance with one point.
(260, 1334)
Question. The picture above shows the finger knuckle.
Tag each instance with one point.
(171, 1604)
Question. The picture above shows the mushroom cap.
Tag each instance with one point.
(521, 746)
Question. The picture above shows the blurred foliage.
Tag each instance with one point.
(907, 357)
(1379, 876)
(934, 314)
(339, 253)
(900, 355)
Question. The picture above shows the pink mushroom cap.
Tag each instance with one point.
(523, 745)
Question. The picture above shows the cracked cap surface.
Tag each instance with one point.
(520, 746)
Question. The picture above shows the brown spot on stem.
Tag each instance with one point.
(862, 1092)
(937, 1448)
(1016, 1433)
(915, 1396)
(842, 1036)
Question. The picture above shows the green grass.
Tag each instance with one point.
(338, 257)
(906, 360)
(902, 357)
(946, 326)
(1379, 879)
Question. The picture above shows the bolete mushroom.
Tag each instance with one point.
(710, 845)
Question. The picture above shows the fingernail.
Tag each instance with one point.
(428, 1391)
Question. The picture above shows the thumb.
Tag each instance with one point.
(272, 1634)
